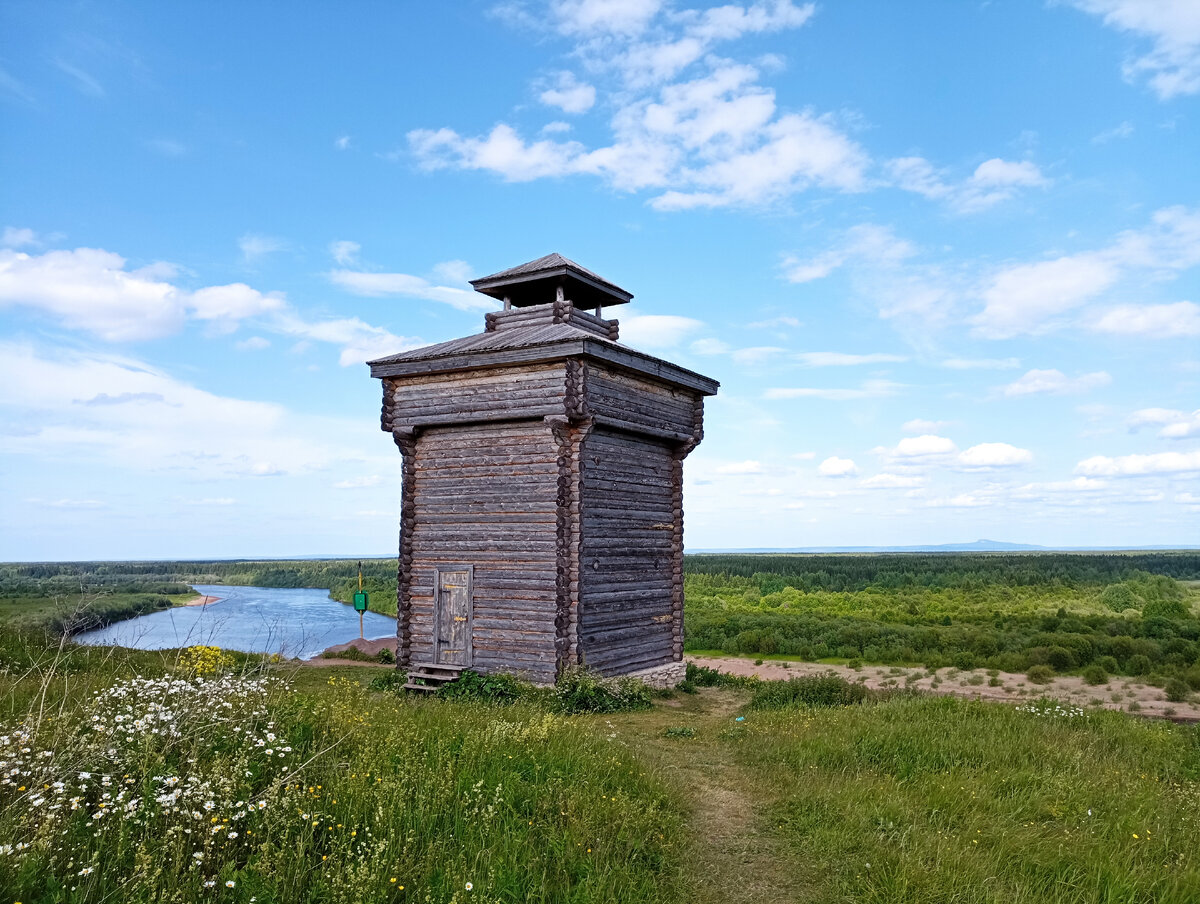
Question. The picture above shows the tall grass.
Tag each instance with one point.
(943, 800)
(160, 778)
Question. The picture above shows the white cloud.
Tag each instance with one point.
(90, 289)
(887, 481)
(569, 94)
(359, 341)
(986, 456)
(993, 181)
(379, 285)
(18, 238)
(864, 242)
(837, 467)
(345, 252)
(657, 330)
(920, 425)
(1140, 465)
(1174, 424)
(229, 304)
(342, 142)
(756, 355)
(869, 389)
(714, 139)
(1032, 297)
(841, 359)
(776, 323)
(253, 343)
(217, 500)
(709, 347)
(1166, 321)
(982, 363)
(156, 429)
(1173, 62)
(254, 247)
(925, 446)
(1055, 382)
(455, 271)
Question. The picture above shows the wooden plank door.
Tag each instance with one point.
(452, 629)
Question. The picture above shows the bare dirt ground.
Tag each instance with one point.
(367, 647)
(1120, 693)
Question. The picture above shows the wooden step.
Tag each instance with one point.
(427, 677)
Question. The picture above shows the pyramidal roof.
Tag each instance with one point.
(536, 282)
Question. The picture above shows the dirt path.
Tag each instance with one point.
(733, 854)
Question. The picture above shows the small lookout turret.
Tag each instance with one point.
(541, 519)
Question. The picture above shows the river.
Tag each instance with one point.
(299, 622)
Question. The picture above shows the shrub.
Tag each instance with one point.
(1192, 677)
(1166, 608)
(1109, 664)
(581, 691)
(1119, 597)
(812, 690)
(386, 656)
(703, 676)
(680, 731)
(1177, 691)
(965, 660)
(1095, 674)
(1040, 674)
(1138, 664)
(389, 681)
(471, 685)
(1061, 659)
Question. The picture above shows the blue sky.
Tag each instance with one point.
(943, 258)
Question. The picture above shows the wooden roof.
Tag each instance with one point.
(532, 344)
(535, 283)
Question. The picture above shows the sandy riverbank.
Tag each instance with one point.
(202, 600)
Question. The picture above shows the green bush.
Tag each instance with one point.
(388, 681)
(1192, 677)
(1119, 597)
(1109, 664)
(1095, 674)
(811, 690)
(581, 691)
(1138, 664)
(471, 685)
(1166, 608)
(1040, 674)
(1177, 691)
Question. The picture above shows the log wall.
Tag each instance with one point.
(628, 542)
(486, 394)
(486, 495)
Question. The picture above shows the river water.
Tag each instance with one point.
(293, 622)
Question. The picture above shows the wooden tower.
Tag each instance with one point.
(541, 519)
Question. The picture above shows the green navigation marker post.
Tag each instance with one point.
(360, 601)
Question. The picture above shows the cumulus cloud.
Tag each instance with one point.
(1172, 66)
(1055, 382)
(1033, 297)
(993, 181)
(1164, 321)
(696, 128)
(151, 422)
(359, 341)
(982, 363)
(1173, 424)
(962, 500)
(920, 447)
(988, 456)
(18, 238)
(657, 330)
(1140, 465)
(569, 94)
(837, 467)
